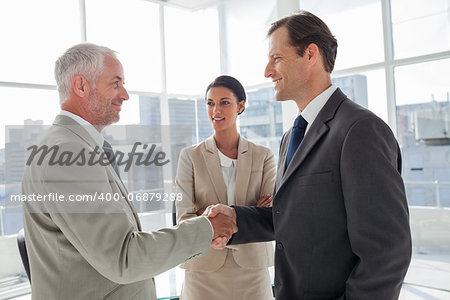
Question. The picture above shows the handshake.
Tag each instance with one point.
(223, 221)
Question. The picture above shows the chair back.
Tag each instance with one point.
(23, 252)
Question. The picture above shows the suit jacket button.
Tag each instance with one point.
(277, 212)
(280, 246)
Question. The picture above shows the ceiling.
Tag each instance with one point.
(188, 4)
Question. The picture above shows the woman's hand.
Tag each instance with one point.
(264, 201)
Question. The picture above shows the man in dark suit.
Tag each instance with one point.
(339, 216)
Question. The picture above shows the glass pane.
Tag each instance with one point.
(425, 82)
(205, 128)
(247, 23)
(130, 111)
(25, 106)
(420, 27)
(367, 89)
(262, 120)
(131, 28)
(192, 50)
(355, 47)
(34, 34)
(423, 124)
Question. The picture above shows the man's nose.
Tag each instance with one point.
(268, 71)
(124, 94)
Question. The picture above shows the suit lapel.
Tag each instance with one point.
(243, 172)
(79, 130)
(76, 128)
(282, 158)
(313, 135)
(214, 170)
(318, 129)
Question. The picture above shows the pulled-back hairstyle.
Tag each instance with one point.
(305, 28)
(83, 59)
(230, 83)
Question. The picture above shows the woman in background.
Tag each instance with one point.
(228, 169)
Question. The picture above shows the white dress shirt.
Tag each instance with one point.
(315, 106)
(229, 175)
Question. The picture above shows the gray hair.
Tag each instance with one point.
(83, 59)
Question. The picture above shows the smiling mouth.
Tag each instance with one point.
(117, 105)
(218, 119)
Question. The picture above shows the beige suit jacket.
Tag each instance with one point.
(95, 250)
(200, 180)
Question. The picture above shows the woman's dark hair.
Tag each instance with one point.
(305, 28)
(230, 83)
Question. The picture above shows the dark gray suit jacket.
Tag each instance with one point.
(339, 215)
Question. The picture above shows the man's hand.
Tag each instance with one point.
(224, 224)
(214, 210)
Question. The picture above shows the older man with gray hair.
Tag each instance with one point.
(97, 250)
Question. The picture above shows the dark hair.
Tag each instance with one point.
(230, 83)
(305, 28)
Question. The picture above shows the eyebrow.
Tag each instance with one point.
(273, 54)
(224, 98)
(118, 78)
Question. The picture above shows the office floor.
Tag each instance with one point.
(428, 277)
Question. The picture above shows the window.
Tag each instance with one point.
(246, 25)
(420, 27)
(355, 47)
(192, 50)
(423, 124)
(132, 29)
(409, 90)
(367, 88)
(34, 34)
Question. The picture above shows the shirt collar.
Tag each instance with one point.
(225, 161)
(315, 106)
(97, 136)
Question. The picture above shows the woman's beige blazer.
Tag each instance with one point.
(200, 181)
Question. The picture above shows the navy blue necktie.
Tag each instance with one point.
(297, 134)
(110, 155)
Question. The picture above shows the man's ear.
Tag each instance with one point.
(312, 53)
(80, 86)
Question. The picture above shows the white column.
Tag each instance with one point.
(223, 41)
(83, 20)
(286, 7)
(165, 119)
(389, 70)
(289, 108)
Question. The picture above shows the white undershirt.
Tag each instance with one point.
(229, 175)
